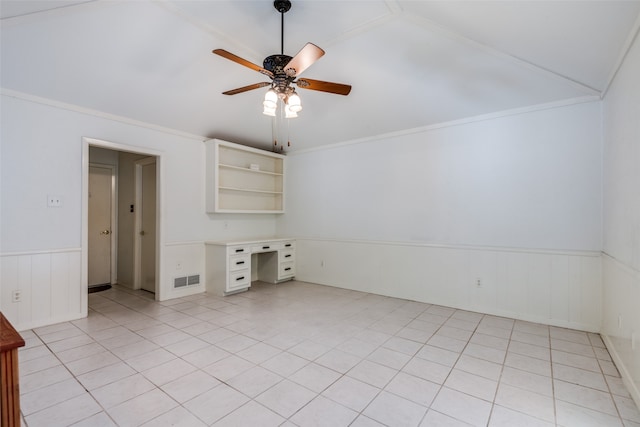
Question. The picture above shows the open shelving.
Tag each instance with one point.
(243, 179)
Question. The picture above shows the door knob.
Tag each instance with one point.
(105, 232)
(142, 233)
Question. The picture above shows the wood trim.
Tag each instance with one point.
(9, 337)
(10, 341)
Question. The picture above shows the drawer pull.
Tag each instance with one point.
(239, 278)
(287, 269)
(265, 247)
(287, 256)
(239, 262)
(288, 245)
(239, 250)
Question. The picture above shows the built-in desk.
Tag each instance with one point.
(231, 266)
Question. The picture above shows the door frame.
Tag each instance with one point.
(114, 219)
(137, 240)
(94, 142)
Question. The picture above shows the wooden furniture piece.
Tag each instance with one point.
(232, 266)
(243, 179)
(10, 341)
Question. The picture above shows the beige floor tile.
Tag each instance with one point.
(324, 412)
(286, 398)
(251, 414)
(315, 377)
(413, 388)
(66, 413)
(304, 354)
(189, 386)
(462, 407)
(392, 410)
(530, 403)
(216, 403)
(142, 408)
(122, 390)
(352, 393)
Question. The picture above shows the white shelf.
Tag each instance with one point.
(221, 165)
(243, 179)
(249, 190)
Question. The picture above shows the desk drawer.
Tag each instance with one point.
(289, 245)
(286, 255)
(286, 269)
(239, 280)
(239, 262)
(265, 247)
(240, 249)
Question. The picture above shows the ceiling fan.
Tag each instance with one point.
(284, 72)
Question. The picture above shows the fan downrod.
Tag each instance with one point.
(282, 6)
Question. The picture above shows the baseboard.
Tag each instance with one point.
(49, 321)
(624, 372)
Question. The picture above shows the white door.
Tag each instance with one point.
(146, 201)
(100, 188)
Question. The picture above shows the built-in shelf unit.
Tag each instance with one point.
(243, 179)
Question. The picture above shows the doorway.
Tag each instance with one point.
(102, 215)
(146, 224)
(125, 264)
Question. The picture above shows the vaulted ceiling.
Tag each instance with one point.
(411, 63)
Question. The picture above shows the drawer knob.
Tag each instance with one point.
(287, 269)
(239, 250)
(240, 278)
(265, 247)
(239, 262)
(287, 256)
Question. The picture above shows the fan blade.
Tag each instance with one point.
(241, 61)
(309, 54)
(337, 88)
(246, 88)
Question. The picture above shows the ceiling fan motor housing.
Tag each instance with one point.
(281, 80)
(282, 6)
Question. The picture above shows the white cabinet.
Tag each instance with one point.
(230, 265)
(279, 265)
(242, 179)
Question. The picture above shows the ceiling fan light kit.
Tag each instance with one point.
(284, 72)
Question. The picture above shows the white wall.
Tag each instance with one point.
(42, 154)
(513, 200)
(621, 260)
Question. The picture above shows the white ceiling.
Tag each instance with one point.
(411, 63)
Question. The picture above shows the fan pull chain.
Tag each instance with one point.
(274, 134)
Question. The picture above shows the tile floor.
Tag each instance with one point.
(298, 354)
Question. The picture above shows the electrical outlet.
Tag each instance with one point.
(179, 266)
(54, 201)
(16, 296)
(478, 282)
(322, 263)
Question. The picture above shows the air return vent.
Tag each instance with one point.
(181, 282)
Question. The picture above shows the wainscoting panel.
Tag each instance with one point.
(49, 284)
(621, 320)
(552, 287)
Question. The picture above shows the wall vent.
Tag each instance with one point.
(181, 282)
